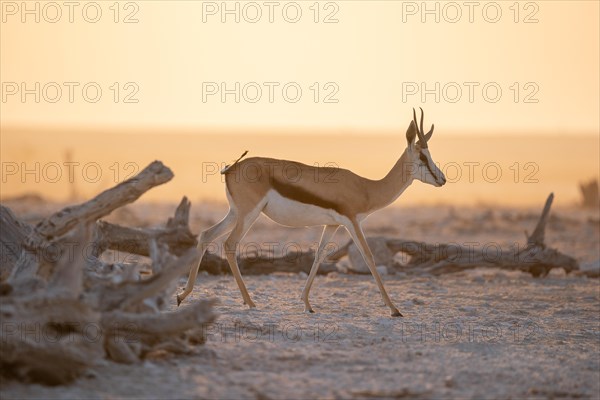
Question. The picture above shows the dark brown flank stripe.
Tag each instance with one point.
(292, 192)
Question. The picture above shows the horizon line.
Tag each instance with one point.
(278, 131)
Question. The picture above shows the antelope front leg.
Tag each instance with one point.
(328, 233)
(359, 239)
(235, 270)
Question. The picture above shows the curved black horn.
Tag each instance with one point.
(415, 119)
(428, 134)
(421, 124)
(422, 140)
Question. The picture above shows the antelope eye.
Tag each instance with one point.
(422, 157)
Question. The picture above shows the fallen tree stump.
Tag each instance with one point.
(62, 309)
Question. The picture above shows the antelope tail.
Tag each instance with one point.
(229, 166)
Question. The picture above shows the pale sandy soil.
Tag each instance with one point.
(478, 334)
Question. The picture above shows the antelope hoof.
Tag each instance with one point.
(396, 313)
(309, 310)
(250, 304)
(178, 300)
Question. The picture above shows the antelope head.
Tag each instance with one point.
(421, 164)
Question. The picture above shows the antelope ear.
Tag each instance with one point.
(411, 134)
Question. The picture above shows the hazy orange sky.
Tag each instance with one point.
(372, 60)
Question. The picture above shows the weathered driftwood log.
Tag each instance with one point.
(176, 234)
(106, 202)
(128, 294)
(40, 237)
(178, 237)
(590, 269)
(534, 257)
(155, 326)
(42, 333)
(292, 262)
(52, 336)
(53, 326)
(131, 336)
(50, 340)
(12, 236)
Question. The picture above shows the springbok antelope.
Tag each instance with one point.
(296, 194)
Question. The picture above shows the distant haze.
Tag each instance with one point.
(530, 166)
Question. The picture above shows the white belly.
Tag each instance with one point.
(293, 213)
